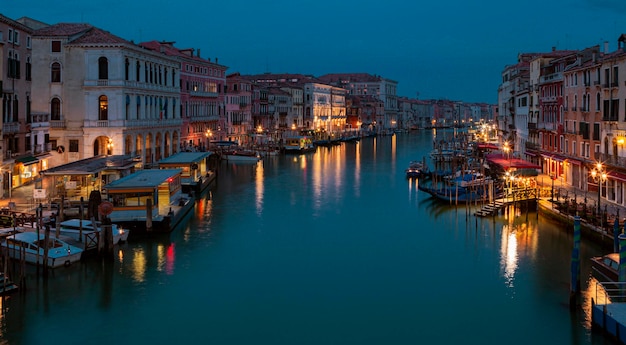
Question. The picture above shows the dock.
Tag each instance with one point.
(492, 208)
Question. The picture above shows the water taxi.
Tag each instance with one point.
(299, 144)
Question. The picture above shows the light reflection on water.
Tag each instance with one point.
(323, 248)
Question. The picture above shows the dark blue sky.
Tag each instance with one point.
(453, 49)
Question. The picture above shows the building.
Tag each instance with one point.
(24, 144)
(104, 95)
(239, 125)
(202, 84)
(359, 84)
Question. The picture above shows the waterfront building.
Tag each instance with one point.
(366, 84)
(363, 110)
(610, 149)
(326, 104)
(238, 96)
(105, 95)
(581, 93)
(294, 84)
(24, 147)
(202, 84)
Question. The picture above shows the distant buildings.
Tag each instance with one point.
(74, 91)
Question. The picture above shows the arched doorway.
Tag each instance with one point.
(102, 146)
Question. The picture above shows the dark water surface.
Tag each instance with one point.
(335, 247)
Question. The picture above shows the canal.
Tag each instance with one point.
(335, 247)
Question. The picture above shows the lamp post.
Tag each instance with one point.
(599, 176)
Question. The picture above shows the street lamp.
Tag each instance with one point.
(599, 176)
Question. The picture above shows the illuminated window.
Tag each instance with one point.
(103, 106)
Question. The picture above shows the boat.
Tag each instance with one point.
(71, 228)
(416, 169)
(149, 201)
(30, 247)
(239, 155)
(196, 176)
(606, 267)
(468, 178)
(298, 144)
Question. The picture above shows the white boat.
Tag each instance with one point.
(72, 229)
(30, 247)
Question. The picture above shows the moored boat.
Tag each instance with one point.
(606, 267)
(30, 246)
(298, 144)
(73, 228)
(416, 169)
(241, 156)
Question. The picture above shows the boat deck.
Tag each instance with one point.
(611, 318)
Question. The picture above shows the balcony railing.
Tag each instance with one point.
(10, 127)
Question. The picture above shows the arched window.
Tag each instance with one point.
(137, 70)
(103, 106)
(55, 109)
(598, 101)
(55, 72)
(103, 68)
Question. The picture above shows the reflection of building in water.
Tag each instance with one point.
(158, 257)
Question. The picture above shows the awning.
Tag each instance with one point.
(617, 176)
(26, 160)
(554, 157)
(487, 146)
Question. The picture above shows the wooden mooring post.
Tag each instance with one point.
(575, 266)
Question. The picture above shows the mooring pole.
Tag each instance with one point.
(575, 266)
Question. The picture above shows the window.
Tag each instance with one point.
(126, 68)
(28, 69)
(103, 105)
(56, 46)
(55, 109)
(28, 42)
(14, 66)
(16, 38)
(73, 145)
(103, 68)
(55, 72)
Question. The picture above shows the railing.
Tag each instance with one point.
(10, 127)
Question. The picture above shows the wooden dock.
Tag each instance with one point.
(491, 208)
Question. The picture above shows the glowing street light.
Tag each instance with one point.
(599, 176)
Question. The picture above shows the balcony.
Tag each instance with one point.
(10, 127)
(203, 94)
(57, 124)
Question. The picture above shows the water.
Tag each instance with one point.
(335, 247)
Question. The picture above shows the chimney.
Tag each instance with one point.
(198, 52)
(553, 48)
(215, 60)
(606, 47)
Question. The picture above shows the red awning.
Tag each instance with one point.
(511, 163)
(487, 146)
(617, 176)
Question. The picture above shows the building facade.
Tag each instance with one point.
(105, 95)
